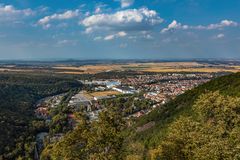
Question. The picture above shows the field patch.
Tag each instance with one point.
(104, 93)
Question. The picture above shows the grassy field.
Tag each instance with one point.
(104, 93)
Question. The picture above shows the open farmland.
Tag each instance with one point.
(156, 67)
(148, 67)
(87, 69)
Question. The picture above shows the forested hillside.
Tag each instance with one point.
(18, 95)
(215, 104)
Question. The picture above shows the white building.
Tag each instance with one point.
(124, 90)
(112, 84)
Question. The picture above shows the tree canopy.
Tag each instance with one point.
(96, 140)
(212, 134)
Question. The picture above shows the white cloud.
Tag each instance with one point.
(88, 30)
(9, 12)
(87, 14)
(97, 38)
(45, 21)
(82, 5)
(175, 25)
(131, 19)
(126, 3)
(65, 42)
(219, 36)
(222, 24)
(98, 10)
(46, 26)
(148, 36)
(42, 9)
(109, 37)
(113, 36)
(122, 34)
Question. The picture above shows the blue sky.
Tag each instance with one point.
(119, 29)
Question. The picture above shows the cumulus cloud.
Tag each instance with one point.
(45, 21)
(131, 19)
(222, 24)
(9, 12)
(175, 25)
(113, 36)
(126, 3)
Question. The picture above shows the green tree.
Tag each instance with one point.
(97, 140)
(211, 134)
(72, 146)
(106, 139)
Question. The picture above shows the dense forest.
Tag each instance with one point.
(203, 123)
(18, 95)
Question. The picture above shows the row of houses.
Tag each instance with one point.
(107, 83)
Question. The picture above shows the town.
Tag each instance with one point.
(141, 94)
(158, 88)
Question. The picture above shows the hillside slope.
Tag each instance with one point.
(182, 106)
